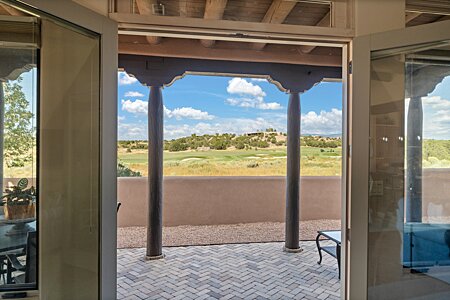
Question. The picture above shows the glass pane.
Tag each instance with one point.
(69, 163)
(409, 200)
(18, 153)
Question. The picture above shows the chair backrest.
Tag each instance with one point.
(31, 258)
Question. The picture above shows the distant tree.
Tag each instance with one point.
(19, 132)
(240, 145)
(219, 144)
(263, 144)
(177, 145)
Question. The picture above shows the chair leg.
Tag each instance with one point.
(319, 249)
(338, 257)
(9, 272)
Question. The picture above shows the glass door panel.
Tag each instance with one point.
(69, 162)
(409, 173)
(18, 152)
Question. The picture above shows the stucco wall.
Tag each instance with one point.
(230, 200)
(227, 200)
(436, 193)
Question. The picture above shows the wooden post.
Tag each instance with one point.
(155, 173)
(414, 161)
(293, 175)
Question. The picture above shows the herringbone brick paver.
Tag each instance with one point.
(236, 271)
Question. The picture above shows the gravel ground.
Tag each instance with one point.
(135, 237)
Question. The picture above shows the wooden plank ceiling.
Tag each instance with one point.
(292, 12)
(309, 13)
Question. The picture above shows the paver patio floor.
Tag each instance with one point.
(233, 271)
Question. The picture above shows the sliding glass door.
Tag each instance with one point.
(409, 205)
(403, 206)
(50, 157)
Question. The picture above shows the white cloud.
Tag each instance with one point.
(325, 122)
(241, 86)
(132, 131)
(258, 79)
(251, 95)
(436, 102)
(136, 107)
(187, 113)
(436, 117)
(256, 102)
(270, 105)
(141, 107)
(133, 94)
(125, 79)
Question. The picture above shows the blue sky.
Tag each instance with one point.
(208, 105)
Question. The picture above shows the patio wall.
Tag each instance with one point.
(231, 200)
(227, 200)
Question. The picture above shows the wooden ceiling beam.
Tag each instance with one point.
(135, 24)
(324, 22)
(444, 18)
(437, 7)
(409, 16)
(214, 10)
(11, 10)
(146, 8)
(276, 14)
(228, 51)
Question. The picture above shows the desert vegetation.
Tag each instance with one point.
(252, 154)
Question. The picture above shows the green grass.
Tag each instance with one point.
(261, 162)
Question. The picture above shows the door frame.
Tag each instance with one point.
(358, 168)
(78, 15)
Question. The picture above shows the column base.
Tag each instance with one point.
(148, 257)
(290, 250)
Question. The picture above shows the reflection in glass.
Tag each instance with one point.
(409, 199)
(18, 102)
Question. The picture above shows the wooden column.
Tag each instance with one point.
(155, 173)
(293, 175)
(414, 161)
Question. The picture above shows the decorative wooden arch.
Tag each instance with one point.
(163, 71)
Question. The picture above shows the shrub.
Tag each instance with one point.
(252, 165)
(177, 145)
(240, 145)
(219, 144)
(124, 171)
